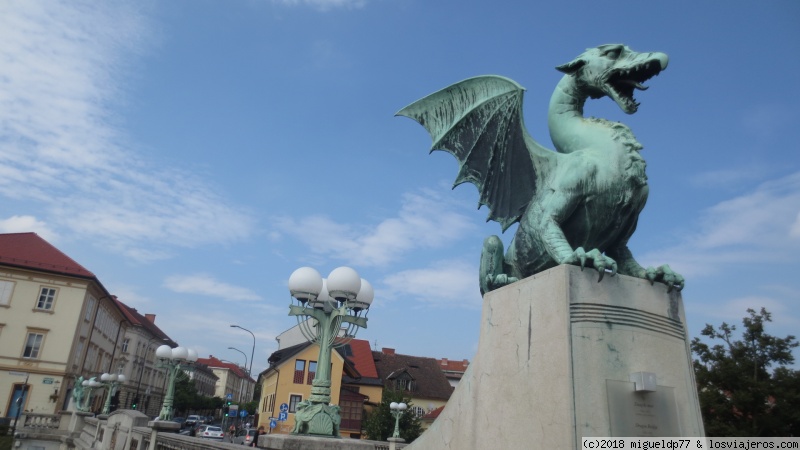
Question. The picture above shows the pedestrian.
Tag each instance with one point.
(255, 438)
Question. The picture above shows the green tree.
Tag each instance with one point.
(379, 425)
(740, 392)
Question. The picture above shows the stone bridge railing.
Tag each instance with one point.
(132, 430)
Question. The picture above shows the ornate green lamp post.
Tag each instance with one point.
(173, 360)
(89, 385)
(338, 307)
(110, 381)
(397, 410)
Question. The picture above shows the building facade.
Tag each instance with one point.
(231, 380)
(57, 322)
(355, 385)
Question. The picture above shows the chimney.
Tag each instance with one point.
(150, 317)
(387, 351)
(443, 361)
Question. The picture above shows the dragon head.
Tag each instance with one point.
(616, 71)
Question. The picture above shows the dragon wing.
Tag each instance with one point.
(479, 121)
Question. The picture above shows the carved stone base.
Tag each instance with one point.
(562, 357)
(318, 419)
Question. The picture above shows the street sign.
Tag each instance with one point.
(229, 397)
(25, 374)
(233, 410)
(47, 380)
(283, 416)
(284, 407)
(243, 413)
(272, 423)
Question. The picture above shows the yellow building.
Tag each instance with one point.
(57, 322)
(288, 379)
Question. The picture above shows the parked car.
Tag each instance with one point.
(245, 436)
(209, 432)
(180, 420)
(193, 420)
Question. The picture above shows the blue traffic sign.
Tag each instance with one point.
(282, 416)
(273, 423)
(229, 397)
(284, 407)
(243, 413)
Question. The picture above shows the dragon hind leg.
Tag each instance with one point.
(491, 270)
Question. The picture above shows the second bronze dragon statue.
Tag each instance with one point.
(577, 205)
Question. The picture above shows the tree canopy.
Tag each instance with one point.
(745, 385)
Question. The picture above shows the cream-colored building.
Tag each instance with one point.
(231, 379)
(57, 322)
(144, 388)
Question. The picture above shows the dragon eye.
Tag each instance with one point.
(613, 54)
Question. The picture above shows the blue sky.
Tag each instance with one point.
(192, 154)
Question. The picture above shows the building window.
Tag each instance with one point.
(299, 371)
(125, 343)
(6, 289)
(33, 345)
(418, 411)
(404, 384)
(312, 371)
(293, 401)
(89, 309)
(46, 297)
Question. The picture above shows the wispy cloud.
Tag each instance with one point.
(25, 224)
(63, 71)
(425, 220)
(203, 284)
(451, 283)
(759, 227)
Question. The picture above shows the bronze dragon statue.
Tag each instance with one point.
(586, 195)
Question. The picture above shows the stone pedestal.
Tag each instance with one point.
(562, 357)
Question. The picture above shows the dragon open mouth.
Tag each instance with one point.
(621, 83)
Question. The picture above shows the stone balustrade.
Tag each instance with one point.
(131, 430)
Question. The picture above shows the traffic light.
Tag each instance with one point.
(135, 403)
(224, 410)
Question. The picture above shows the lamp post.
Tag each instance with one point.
(397, 410)
(141, 370)
(341, 299)
(110, 381)
(252, 355)
(173, 360)
(247, 383)
(89, 385)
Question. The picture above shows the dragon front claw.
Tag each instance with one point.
(665, 275)
(598, 260)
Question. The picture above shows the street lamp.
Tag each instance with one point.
(246, 383)
(173, 360)
(245, 356)
(89, 385)
(110, 381)
(252, 355)
(341, 299)
(397, 410)
(141, 370)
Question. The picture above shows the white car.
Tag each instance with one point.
(210, 432)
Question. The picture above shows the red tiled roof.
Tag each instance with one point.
(433, 414)
(213, 362)
(453, 366)
(137, 319)
(362, 358)
(31, 251)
